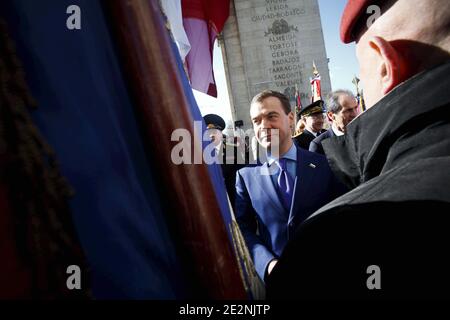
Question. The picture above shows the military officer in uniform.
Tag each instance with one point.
(314, 120)
(229, 156)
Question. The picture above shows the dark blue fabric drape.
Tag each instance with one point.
(86, 115)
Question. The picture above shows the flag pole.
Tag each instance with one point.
(154, 84)
(359, 94)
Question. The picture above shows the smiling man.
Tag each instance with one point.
(272, 199)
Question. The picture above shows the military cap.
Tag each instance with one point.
(213, 121)
(353, 12)
(313, 108)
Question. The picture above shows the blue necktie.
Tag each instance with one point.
(285, 184)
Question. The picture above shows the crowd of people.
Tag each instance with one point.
(379, 179)
(339, 204)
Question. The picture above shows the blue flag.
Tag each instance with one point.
(86, 115)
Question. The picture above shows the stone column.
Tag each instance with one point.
(271, 44)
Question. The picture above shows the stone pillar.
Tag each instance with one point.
(271, 44)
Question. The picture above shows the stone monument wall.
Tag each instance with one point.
(271, 44)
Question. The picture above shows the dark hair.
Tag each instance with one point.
(271, 93)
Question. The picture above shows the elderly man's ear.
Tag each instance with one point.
(330, 116)
(391, 66)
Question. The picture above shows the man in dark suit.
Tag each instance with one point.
(313, 117)
(229, 156)
(273, 198)
(342, 108)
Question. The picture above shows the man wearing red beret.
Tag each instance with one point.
(389, 236)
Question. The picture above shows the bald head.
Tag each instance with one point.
(426, 21)
(409, 37)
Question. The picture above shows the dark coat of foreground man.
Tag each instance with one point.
(398, 216)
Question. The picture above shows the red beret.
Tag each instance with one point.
(352, 12)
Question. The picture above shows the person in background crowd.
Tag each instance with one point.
(228, 155)
(313, 117)
(342, 108)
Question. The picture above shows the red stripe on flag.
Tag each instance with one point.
(203, 20)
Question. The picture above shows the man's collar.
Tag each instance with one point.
(336, 131)
(291, 154)
(312, 132)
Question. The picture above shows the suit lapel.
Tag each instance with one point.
(304, 176)
(263, 177)
(309, 134)
(331, 133)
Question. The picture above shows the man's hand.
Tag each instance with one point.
(271, 266)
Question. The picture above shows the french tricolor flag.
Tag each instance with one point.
(203, 20)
